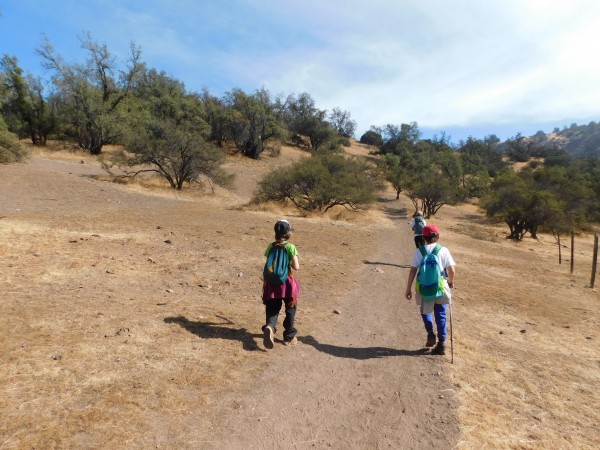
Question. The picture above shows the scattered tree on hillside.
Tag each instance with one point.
(372, 137)
(395, 172)
(168, 136)
(321, 182)
(342, 123)
(303, 118)
(24, 106)
(93, 95)
(10, 149)
(514, 199)
(253, 121)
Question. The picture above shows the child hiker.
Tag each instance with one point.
(434, 281)
(280, 287)
(417, 224)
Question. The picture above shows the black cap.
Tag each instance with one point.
(282, 227)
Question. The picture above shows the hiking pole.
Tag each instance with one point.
(451, 340)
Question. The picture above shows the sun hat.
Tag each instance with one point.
(282, 227)
(431, 230)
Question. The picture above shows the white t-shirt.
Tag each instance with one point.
(444, 256)
(446, 260)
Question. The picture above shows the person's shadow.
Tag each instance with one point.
(359, 352)
(211, 330)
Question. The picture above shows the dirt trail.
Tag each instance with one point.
(359, 380)
(131, 320)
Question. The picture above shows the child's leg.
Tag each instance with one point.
(440, 321)
(288, 324)
(272, 308)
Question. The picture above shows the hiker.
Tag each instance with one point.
(417, 224)
(433, 297)
(280, 287)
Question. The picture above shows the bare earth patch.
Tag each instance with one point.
(131, 319)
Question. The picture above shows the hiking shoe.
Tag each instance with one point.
(439, 349)
(430, 340)
(268, 336)
(292, 341)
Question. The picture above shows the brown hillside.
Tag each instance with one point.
(131, 318)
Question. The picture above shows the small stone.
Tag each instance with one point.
(589, 338)
(110, 271)
(523, 331)
(337, 311)
(167, 241)
(170, 291)
(240, 275)
(501, 332)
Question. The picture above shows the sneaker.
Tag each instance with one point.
(268, 336)
(439, 349)
(292, 341)
(430, 340)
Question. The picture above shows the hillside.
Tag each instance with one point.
(131, 319)
(577, 140)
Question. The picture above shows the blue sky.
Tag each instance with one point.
(461, 66)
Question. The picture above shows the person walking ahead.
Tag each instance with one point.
(433, 303)
(417, 224)
(280, 287)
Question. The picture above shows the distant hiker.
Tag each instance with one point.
(433, 267)
(280, 286)
(417, 224)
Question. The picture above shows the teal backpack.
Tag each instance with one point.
(277, 265)
(430, 281)
(419, 225)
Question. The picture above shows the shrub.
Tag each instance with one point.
(320, 182)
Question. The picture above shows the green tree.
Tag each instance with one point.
(94, 93)
(168, 136)
(434, 169)
(321, 182)
(253, 122)
(342, 123)
(372, 137)
(395, 172)
(303, 118)
(514, 199)
(25, 107)
(10, 148)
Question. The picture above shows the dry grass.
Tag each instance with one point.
(86, 354)
(527, 362)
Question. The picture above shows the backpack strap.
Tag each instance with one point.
(422, 250)
(435, 252)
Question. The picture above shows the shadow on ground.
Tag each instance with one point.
(211, 330)
(402, 266)
(359, 352)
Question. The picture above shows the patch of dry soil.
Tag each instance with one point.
(131, 319)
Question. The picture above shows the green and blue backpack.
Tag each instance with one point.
(430, 280)
(277, 265)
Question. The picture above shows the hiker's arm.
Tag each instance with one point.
(451, 274)
(411, 278)
(295, 263)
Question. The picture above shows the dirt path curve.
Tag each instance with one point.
(363, 383)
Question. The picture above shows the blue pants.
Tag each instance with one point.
(439, 311)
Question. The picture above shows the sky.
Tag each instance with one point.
(461, 67)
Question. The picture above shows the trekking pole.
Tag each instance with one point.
(451, 340)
